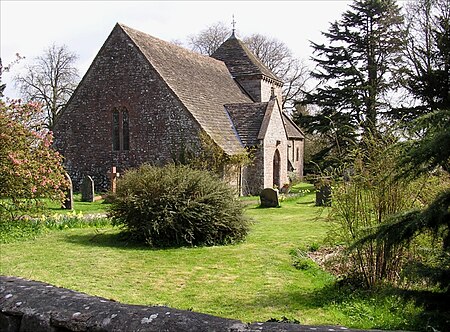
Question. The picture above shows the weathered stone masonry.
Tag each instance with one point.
(122, 79)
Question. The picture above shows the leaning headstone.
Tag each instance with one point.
(87, 189)
(68, 199)
(323, 193)
(269, 197)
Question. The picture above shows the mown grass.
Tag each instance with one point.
(53, 217)
(97, 206)
(252, 281)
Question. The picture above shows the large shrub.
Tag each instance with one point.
(367, 199)
(176, 205)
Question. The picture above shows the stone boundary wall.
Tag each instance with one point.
(32, 306)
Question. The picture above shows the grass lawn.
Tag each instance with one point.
(251, 281)
(79, 206)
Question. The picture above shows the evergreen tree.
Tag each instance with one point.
(426, 74)
(355, 69)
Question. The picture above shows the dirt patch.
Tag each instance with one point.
(331, 259)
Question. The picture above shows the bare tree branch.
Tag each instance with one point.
(209, 39)
(273, 53)
(50, 80)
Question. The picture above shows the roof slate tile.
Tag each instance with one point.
(247, 119)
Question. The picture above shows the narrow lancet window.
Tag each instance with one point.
(125, 131)
(120, 130)
(115, 131)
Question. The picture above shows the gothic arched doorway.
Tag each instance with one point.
(276, 169)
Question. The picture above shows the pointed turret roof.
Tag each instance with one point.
(240, 60)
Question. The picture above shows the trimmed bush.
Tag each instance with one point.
(177, 206)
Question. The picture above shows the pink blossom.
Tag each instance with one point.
(14, 160)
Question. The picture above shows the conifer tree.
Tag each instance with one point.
(426, 73)
(355, 70)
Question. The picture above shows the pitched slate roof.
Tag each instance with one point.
(240, 60)
(247, 119)
(201, 83)
(292, 130)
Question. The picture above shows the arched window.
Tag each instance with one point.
(276, 169)
(120, 130)
(116, 131)
(125, 130)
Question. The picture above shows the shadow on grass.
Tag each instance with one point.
(119, 240)
(306, 203)
(104, 239)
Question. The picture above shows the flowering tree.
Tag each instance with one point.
(29, 168)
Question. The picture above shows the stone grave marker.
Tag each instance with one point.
(269, 197)
(323, 193)
(68, 199)
(113, 175)
(87, 189)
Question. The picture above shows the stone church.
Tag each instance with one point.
(144, 100)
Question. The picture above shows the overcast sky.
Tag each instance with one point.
(28, 27)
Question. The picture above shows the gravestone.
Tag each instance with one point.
(113, 175)
(323, 193)
(87, 189)
(68, 199)
(269, 197)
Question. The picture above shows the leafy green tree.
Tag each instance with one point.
(355, 69)
(29, 168)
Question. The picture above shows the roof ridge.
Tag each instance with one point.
(171, 44)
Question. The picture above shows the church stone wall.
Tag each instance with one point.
(266, 91)
(159, 125)
(260, 89)
(295, 155)
(253, 174)
(252, 85)
(275, 139)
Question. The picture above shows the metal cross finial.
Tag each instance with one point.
(233, 23)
